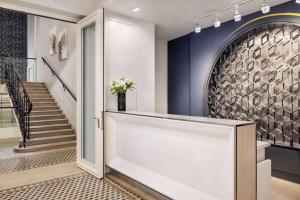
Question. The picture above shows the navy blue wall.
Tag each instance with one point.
(192, 66)
(179, 76)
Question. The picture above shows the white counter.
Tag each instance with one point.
(261, 153)
(184, 158)
(264, 190)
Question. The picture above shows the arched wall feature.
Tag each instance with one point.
(257, 77)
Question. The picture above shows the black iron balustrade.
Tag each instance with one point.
(19, 96)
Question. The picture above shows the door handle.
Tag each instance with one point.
(98, 121)
(102, 120)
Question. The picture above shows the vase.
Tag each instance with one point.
(122, 102)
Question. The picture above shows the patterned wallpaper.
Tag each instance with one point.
(13, 37)
(258, 78)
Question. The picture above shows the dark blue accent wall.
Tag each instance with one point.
(179, 76)
(189, 69)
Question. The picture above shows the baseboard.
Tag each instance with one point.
(285, 176)
(285, 163)
(141, 190)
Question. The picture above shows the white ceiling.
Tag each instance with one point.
(71, 10)
(174, 18)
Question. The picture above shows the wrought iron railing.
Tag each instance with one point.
(19, 96)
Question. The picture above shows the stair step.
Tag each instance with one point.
(49, 140)
(52, 133)
(37, 95)
(42, 108)
(48, 122)
(49, 127)
(36, 88)
(38, 100)
(5, 101)
(43, 147)
(48, 112)
(44, 104)
(33, 84)
(46, 117)
(5, 104)
(40, 92)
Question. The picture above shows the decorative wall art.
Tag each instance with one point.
(257, 78)
(63, 45)
(52, 41)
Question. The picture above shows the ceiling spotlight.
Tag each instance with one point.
(198, 28)
(265, 7)
(237, 15)
(217, 22)
(136, 10)
(297, 1)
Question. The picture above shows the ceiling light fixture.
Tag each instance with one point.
(237, 16)
(198, 28)
(136, 10)
(265, 7)
(217, 22)
(297, 1)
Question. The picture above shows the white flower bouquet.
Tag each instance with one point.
(122, 86)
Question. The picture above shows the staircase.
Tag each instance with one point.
(49, 128)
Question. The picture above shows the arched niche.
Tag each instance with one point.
(256, 76)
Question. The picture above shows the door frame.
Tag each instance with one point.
(96, 169)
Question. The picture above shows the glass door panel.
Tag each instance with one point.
(88, 94)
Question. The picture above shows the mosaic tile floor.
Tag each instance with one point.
(54, 175)
(36, 160)
(78, 187)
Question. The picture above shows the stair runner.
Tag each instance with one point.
(49, 128)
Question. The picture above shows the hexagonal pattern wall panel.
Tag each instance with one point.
(258, 78)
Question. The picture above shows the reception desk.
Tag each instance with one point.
(182, 157)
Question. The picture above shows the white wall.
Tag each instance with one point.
(31, 36)
(65, 69)
(161, 76)
(130, 53)
(31, 47)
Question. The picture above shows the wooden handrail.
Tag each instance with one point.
(61, 81)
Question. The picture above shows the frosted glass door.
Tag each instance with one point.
(89, 105)
(88, 95)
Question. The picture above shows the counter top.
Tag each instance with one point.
(262, 145)
(205, 120)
